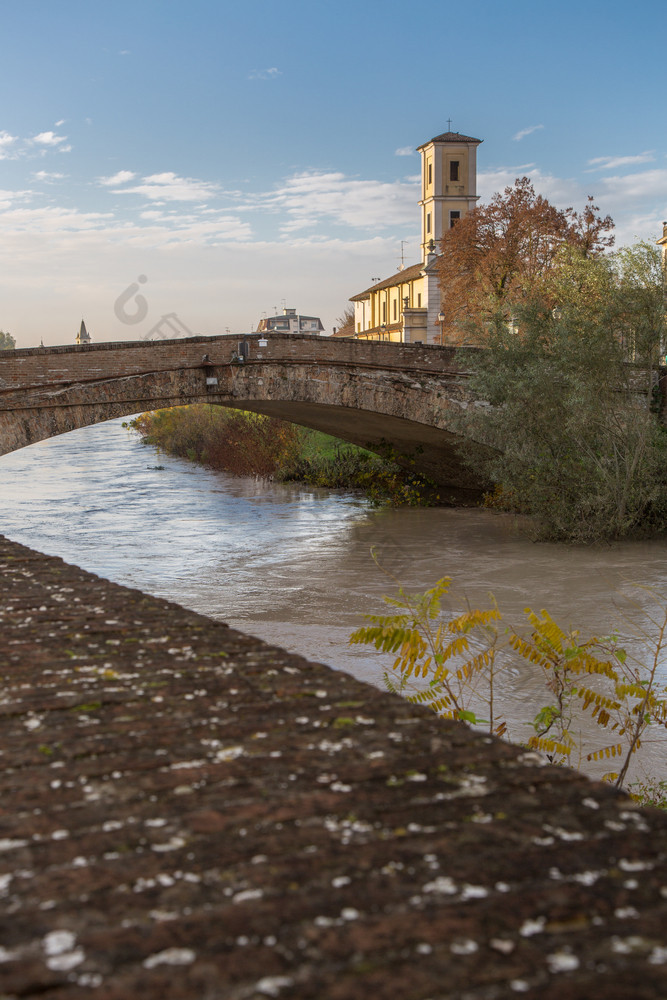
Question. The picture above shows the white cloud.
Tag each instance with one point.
(612, 162)
(362, 204)
(65, 226)
(404, 151)
(6, 141)
(526, 131)
(10, 198)
(59, 123)
(49, 139)
(122, 177)
(561, 191)
(265, 74)
(294, 225)
(645, 185)
(47, 176)
(168, 186)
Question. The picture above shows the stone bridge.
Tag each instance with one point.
(370, 393)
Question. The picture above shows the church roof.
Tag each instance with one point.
(407, 274)
(451, 137)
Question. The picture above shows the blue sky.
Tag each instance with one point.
(241, 157)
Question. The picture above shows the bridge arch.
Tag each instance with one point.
(370, 394)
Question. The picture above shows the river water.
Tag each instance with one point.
(293, 565)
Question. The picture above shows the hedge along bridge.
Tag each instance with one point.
(369, 393)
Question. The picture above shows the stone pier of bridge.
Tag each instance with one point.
(187, 812)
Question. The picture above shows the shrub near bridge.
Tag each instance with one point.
(245, 444)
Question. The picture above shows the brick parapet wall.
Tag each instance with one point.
(35, 366)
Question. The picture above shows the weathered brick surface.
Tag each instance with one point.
(186, 812)
(40, 365)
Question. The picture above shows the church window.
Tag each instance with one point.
(454, 218)
(453, 170)
(428, 222)
(384, 312)
(430, 173)
(419, 300)
(394, 310)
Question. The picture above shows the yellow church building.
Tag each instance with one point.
(405, 308)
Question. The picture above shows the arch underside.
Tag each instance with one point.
(364, 409)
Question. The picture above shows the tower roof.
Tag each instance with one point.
(452, 137)
(83, 337)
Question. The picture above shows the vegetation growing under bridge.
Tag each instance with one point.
(249, 444)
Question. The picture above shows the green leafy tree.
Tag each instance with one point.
(640, 284)
(7, 342)
(577, 446)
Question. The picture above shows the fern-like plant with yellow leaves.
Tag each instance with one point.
(451, 665)
(456, 657)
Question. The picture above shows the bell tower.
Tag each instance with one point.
(82, 337)
(449, 184)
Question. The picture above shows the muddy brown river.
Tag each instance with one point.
(294, 566)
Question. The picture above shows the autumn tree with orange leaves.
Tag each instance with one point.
(502, 255)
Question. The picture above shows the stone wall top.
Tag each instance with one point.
(186, 812)
(47, 365)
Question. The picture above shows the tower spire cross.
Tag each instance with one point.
(449, 124)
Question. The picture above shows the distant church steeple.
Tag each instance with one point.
(83, 337)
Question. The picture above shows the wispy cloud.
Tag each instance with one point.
(49, 139)
(166, 186)
(122, 177)
(7, 142)
(265, 74)
(70, 227)
(526, 131)
(13, 147)
(613, 162)
(646, 185)
(10, 198)
(404, 151)
(361, 204)
(48, 176)
(562, 191)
